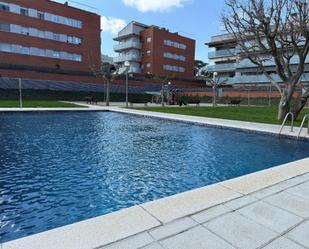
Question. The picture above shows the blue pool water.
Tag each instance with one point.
(60, 168)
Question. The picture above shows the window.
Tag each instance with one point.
(18, 49)
(174, 56)
(41, 34)
(56, 37)
(77, 57)
(5, 27)
(148, 39)
(148, 52)
(25, 50)
(41, 52)
(41, 15)
(148, 65)
(174, 68)
(24, 30)
(5, 47)
(175, 44)
(56, 54)
(24, 11)
(4, 6)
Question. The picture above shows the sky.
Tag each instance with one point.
(197, 19)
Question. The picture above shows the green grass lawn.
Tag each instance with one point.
(251, 114)
(35, 103)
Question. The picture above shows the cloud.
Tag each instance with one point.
(111, 24)
(154, 5)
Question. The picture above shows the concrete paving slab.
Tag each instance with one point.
(300, 234)
(153, 246)
(240, 231)
(261, 194)
(133, 242)
(197, 238)
(172, 228)
(270, 216)
(301, 190)
(210, 213)
(291, 203)
(240, 202)
(283, 243)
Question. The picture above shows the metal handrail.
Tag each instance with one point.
(285, 119)
(302, 125)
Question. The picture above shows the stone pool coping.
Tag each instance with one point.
(262, 128)
(107, 229)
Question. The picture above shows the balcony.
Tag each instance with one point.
(127, 45)
(222, 53)
(246, 63)
(220, 38)
(122, 70)
(128, 57)
(255, 79)
(226, 67)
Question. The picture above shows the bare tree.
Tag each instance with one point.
(273, 31)
(106, 73)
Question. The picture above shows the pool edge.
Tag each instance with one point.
(110, 228)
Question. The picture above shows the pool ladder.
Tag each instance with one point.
(302, 125)
(284, 121)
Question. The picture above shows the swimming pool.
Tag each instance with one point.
(60, 168)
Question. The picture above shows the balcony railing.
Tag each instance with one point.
(127, 45)
(222, 53)
(219, 38)
(122, 70)
(255, 79)
(128, 57)
(222, 67)
(246, 63)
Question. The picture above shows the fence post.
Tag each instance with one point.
(20, 94)
(270, 91)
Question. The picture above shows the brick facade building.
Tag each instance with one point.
(154, 50)
(42, 39)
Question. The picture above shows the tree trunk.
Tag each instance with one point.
(285, 101)
(283, 108)
(300, 105)
(107, 92)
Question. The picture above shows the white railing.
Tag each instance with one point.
(127, 45)
(302, 125)
(284, 121)
(129, 57)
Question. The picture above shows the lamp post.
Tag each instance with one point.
(127, 65)
(168, 89)
(20, 94)
(214, 89)
(162, 95)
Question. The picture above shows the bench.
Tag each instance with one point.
(197, 102)
(235, 102)
(145, 102)
(91, 100)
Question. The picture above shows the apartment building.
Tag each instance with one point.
(225, 61)
(48, 40)
(154, 50)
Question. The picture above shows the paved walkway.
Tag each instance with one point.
(273, 218)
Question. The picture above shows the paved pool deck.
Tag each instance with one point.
(267, 209)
